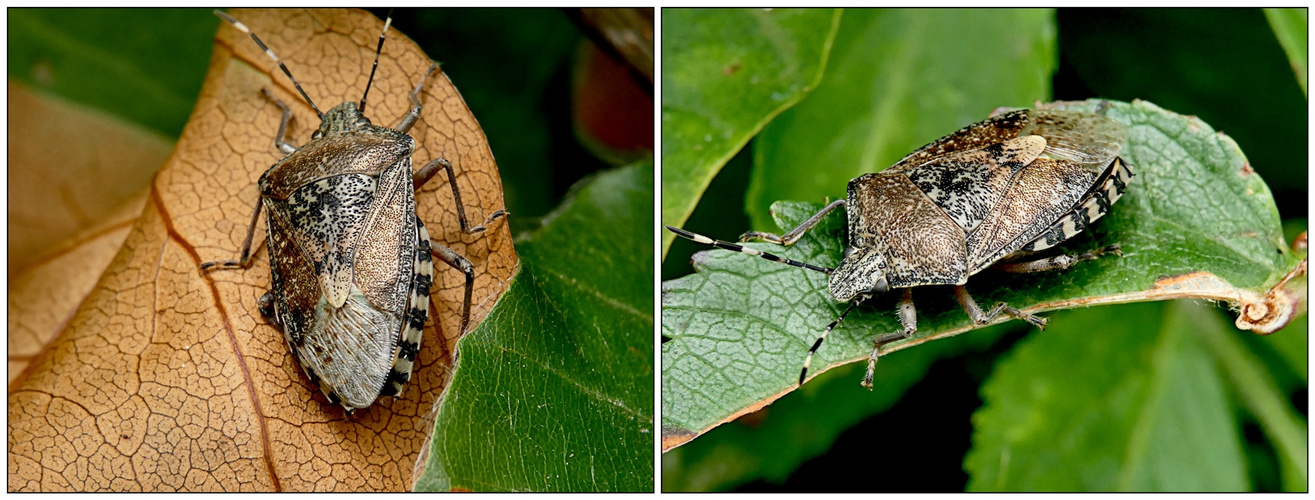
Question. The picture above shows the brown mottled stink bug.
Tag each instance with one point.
(350, 261)
(987, 195)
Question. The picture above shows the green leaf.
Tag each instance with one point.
(1254, 387)
(805, 423)
(726, 73)
(1293, 345)
(1290, 26)
(898, 79)
(554, 391)
(741, 326)
(145, 65)
(1139, 407)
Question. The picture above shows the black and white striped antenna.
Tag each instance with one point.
(243, 28)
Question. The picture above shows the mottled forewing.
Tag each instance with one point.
(994, 130)
(1108, 189)
(1092, 140)
(293, 281)
(325, 219)
(966, 185)
(1038, 195)
(890, 214)
(385, 253)
(355, 346)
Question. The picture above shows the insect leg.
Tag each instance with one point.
(818, 343)
(698, 238)
(244, 259)
(794, 234)
(982, 318)
(908, 317)
(279, 142)
(451, 258)
(410, 118)
(425, 173)
(1057, 262)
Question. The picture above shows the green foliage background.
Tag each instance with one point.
(913, 69)
(584, 405)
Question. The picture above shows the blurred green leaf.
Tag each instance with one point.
(898, 79)
(1256, 390)
(1138, 407)
(741, 326)
(1293, 344)
(553, 391)
(1290, 26)
(145, 65)
(726, 73)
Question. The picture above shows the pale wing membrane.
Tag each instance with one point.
(1088, 139)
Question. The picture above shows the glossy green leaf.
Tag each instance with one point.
(741, 326)
(1291, 26)
(554, 391)
(1141, 406)
(726, 73)
(898, 79)
(145, 65)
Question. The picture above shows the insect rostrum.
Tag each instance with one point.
(987, 196)
(350, 262)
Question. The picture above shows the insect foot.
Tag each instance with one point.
(988, 195)
(351, 264)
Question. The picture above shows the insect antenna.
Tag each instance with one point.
(243, 28)
(698, 238)
(388, 22)
(818, 343)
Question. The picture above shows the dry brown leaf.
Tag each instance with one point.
(167, 379)
(44, 295)
(71, 203)
(69, 165)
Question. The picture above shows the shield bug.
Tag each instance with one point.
(350, 262)
(989, 195)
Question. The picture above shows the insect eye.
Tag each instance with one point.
(317, 135)
(848, 252)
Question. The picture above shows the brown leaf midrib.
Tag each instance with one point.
(158, 203)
